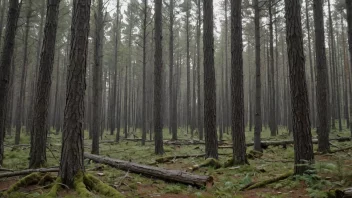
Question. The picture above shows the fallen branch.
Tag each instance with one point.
(29, 171)
(342, 149)
(6, 170)
(265, 144)
(269, 181)
(170, 158)
(208, 162)
(161, 173)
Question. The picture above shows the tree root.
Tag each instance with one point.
(269, 181)
(97, 185)
(80, 187)
(25, 181)
(55, 187)
(83, 183)
(208, 162)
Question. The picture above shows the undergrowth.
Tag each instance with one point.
(333, 171)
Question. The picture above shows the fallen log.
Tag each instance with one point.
(338, 193)
(161, 173)
(169, 158)
(269, 181)
(345, 193)
(265, 144)
(29, 171)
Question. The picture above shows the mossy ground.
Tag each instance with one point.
(333, 171)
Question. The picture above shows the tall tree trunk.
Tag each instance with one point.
(211, 140)
(41, 106)
(19, 108)
(97, 77)
(258, 108)
(273, 124)
(322, 77)
(5, 67)
(188, 91)
(32, 90)
(11, 95)
(144, 102)
(113, 110)
(57, 91)
(200, 120)
(347, 94)
(71, 162)
(302, 136)
(158, 72)
(237, 93)
(349, 22)
(312, 82)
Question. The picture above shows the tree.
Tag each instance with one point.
(113, 113)
(158, 80)
(302, 136)
(71, 163)
(349, 22)
(200, 121)
(97, 76)
(114, 103)
(272, 124)
(211, 140)
(258, 107)
(5, 66)
(21, 96)
(237, 93)
(312, 82)
(40, 129)
(322, 78)
(188, 94)
(172, 93)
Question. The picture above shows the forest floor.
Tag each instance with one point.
(333, 170)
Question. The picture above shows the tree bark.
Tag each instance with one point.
(40, 128)
(237, 93)
(322, 78)
(97, 77)
(272, 117)
(158, 80)
(72, 148)
(5, 67)
(200, 120)
(302, 136)
(258, 89)
(349, 22)
(211, 140)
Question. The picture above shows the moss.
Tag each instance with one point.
(98, 186)
(27, 180)
(56, 186)
(80, 187)
(46, 178)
